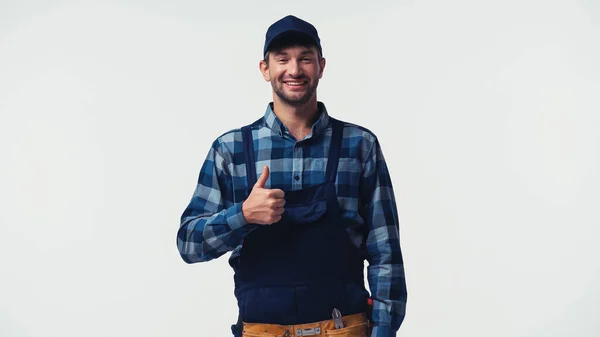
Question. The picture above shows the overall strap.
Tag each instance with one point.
(334, 149)
(249, 156)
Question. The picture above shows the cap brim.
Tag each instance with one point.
(291, 37)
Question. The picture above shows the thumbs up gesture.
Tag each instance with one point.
(263, 206)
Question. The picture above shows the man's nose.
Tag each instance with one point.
(294, 69)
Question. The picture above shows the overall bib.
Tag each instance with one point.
(299, 269)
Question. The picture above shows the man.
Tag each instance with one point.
(300, 231)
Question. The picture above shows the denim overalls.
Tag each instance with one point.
(299, 269)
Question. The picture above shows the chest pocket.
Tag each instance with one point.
(304, 213)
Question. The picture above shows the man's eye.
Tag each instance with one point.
(306, 59)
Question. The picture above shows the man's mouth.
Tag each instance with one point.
(294, 83)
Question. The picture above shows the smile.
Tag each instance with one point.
(294, 84)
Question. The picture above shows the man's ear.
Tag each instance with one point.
(322, 63)
(264, 69)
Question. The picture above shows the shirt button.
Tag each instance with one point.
(297, 178)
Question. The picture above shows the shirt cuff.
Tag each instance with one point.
(235, 217)
(383, 331)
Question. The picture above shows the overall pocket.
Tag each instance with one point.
(275, 304)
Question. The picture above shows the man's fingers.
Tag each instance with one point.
(280, 202)
(276, 193)
(262, 180)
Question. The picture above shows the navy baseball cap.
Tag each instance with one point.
(294, 29)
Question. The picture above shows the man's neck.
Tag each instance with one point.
(297, 119)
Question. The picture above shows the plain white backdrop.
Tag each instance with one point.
(488, 113)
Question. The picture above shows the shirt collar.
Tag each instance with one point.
(273, 123)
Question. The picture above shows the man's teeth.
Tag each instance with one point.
(294, 83)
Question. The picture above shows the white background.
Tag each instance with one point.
(488, 113)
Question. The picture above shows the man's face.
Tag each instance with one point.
(294, 73)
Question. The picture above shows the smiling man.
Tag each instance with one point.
(300, 231)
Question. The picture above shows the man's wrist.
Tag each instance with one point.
(245, 213)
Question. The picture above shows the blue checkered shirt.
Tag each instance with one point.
(213, 224)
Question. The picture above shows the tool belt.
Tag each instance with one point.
(356, 325)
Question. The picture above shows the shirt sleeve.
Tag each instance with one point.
(385, 272)
(212, 224)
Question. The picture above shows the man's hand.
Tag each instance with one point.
(263, 206)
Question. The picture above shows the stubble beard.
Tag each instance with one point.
(279, 91)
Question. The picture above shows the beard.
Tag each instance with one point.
(278, 88)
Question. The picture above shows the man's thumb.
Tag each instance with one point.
(263, 178)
